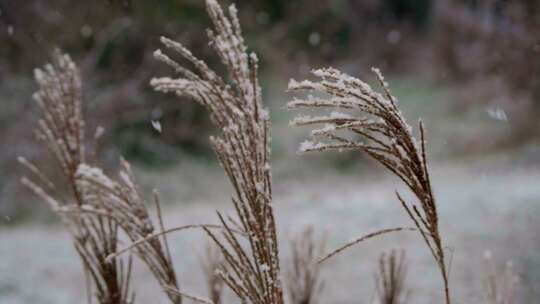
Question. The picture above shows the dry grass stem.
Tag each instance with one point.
(385, 136)
(361, 239)
(187, 295)
(61, 129)
(162, 233)
(213, 263)
(242, 148)
(390, 279)
(303, 273)
(120, 199)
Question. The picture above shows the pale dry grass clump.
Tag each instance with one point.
(243, 149)
(381, 132)
(120, 199)
(100, 207)
(303, 272)
(390, 278)
(61, 129)
(500, 282)
(212, 264)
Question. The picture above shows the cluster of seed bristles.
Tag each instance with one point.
(100, 207)
(213, 263)
(61, 129)
(303, 273)
(243, 150)
(121, 200)
(383, 134)
(501, 284)
(390, 278)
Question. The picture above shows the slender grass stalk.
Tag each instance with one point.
(362, 239)
(243, 149)
(120, 200)
(303, 273)
(383, 134)
(213, 263)
(501, 284)
(390, 278)
(61, 129)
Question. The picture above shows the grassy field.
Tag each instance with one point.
(484, 203)
(487, 203)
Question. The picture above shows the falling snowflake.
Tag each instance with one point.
(497, 113)
(99, 132)
(87, 31)
(393, 37)
(314, 38)
(156, 125)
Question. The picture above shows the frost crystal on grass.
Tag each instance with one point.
(307, 146)
(95, 175)
(264, 267)
(327, 129)
(339, 115)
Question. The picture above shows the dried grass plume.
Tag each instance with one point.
(61, 129)
(372, 122)
(303, 273)
(390, 278)
(243, 149)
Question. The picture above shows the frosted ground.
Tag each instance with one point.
(483, 208)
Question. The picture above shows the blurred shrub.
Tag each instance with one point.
(494, 46)
(113, 41)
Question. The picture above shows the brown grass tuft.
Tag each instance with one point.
(390, 279)
(243, 150)
(500, 283)
(385, 136)
(303, 273)
(61, 129)
(120, 199)
(213, 263)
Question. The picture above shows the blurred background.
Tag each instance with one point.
(469, 68)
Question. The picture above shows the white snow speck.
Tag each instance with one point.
(339, 115)
(99, 132)
(393, 37)
(265, 268)
(314, 38)
(497, 113)
(86, 31)
(308, 145)
(156, 125)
